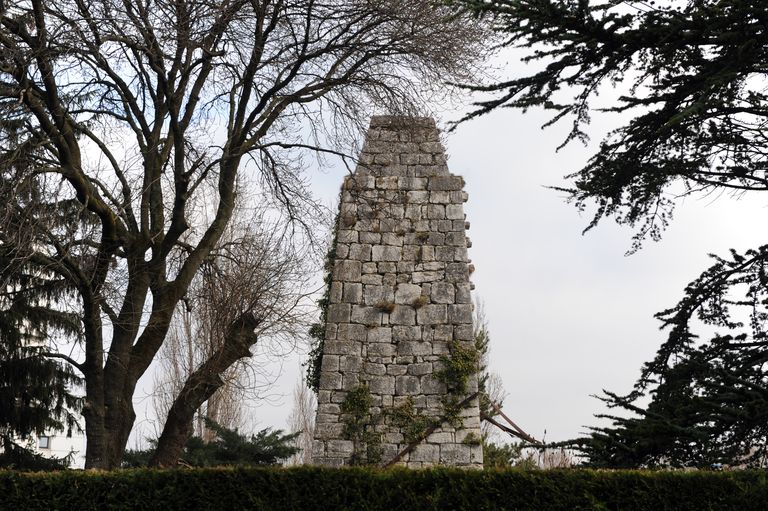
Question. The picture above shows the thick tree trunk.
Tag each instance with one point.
(96, 444)
(200, 386)
(93, 408)
(107, 429)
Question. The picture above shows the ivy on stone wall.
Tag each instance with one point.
(458, 366)
(360, 426)
(360, 423)
(317, 330)
(411, 421)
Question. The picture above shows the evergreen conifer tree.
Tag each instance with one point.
(696, 110)
(37, 392)
(228, 448)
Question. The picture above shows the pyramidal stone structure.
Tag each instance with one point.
(399, 310)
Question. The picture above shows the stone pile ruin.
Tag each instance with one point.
(399, 324)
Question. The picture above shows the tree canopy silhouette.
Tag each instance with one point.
(694, 113)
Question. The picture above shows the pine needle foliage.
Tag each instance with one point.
(694, 109)
(228, 448)
(37, 393)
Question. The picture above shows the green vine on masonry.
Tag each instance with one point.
(461, 363)
(360, 426)
(411, 421)
(458, 366)
(360, 423)
(317, 330)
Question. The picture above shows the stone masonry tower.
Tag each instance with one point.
(399, 325)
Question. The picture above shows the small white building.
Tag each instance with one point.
(58, 444)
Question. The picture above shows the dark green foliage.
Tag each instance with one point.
(229, 448)
(360, 426)
(35, 391)
(18, 456)
(482, 345)
(458, 366)
(138, 458)
(317, 330)
(708, 401)
(694, 108)
(411, 421)
(311, 488)
(500, 455)
(37, 307)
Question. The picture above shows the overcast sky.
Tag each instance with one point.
(569, 314)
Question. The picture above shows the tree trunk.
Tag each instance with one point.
(200, 386)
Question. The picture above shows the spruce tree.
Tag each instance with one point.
(38, 393)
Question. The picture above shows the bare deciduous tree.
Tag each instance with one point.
(133, 109)
(258, 272)
(302, 419)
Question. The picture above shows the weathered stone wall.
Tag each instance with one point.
(399, 297)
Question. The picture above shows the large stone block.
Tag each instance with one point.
(330, 363)
(419, 277)
(443, 292)
(382, 384)
(407, 386)
(347, 271)
(336, 292)
(341, 347)
(431, 385)
(392, 239)
(329, 430)
(402, 315)
(397, 369)
(351, 332)
(420, 369)
(454, 454)
(446, 183)
(454, 212)
(369, 237)
(350, 363)
(339, 313)
(353, 293)
(414, 348)
(460, 314)
(370, 316)
(407, 293)
(375, 369)
(426, 453)
(339, 448)
(456, 272)
(360, 252)
(381, 349)
(435, 211)
(330, 380)
(379, 335)
(346, 236)
(432, 314)
(406, 333)
(442, 333)
(386, 253)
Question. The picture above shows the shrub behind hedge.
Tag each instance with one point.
(310, 488)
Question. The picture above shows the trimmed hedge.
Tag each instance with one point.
(309, 488)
